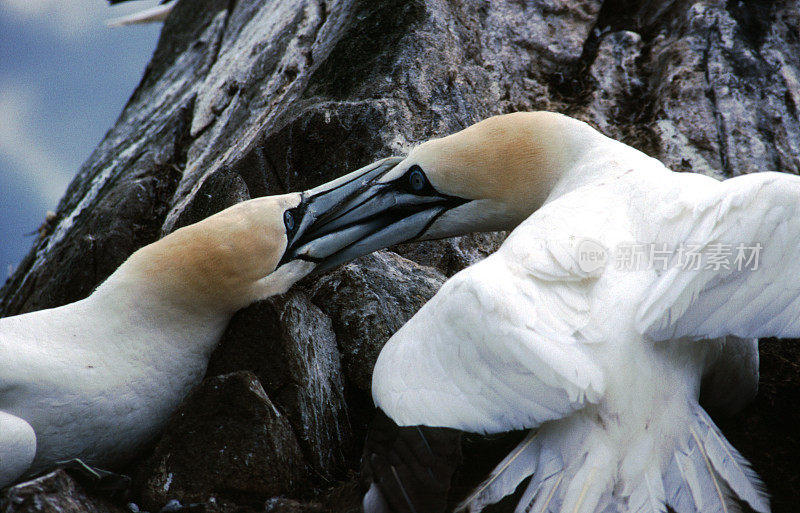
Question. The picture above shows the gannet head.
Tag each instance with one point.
(489, 176)
(504, 166)
(246, 252)
(221, 263)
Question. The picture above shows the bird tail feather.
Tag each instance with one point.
(506, 476)
(582, 488)
(707, 473)
(704, 473)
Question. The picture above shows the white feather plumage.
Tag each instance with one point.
(602, 362)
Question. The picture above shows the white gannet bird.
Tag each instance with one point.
(97, 379)
(603, 359)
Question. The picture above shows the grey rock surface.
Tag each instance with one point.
(290, 345)
(55, 492)
(248, 98)
(452, 255)
(227, 441)
(368, 300)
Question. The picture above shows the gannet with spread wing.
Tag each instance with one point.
(603, 361)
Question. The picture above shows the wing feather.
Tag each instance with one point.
(499, 347)
(759, 300)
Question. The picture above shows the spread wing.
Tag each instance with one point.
(501, 346)
(752, 223)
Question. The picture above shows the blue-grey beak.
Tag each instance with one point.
(358, 214)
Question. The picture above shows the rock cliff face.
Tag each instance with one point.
(247, 98)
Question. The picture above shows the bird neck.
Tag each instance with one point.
(600, 159)
(129, 319)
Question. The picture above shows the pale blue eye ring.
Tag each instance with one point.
(417, 180)
(288, 220)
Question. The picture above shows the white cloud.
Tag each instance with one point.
(29, 159)
(70, 18)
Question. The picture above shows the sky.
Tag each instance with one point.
(64, 79)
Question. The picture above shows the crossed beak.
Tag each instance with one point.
(360, 213)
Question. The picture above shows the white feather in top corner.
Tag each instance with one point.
(152, 15)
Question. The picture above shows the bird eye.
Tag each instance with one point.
(288, 220)
(417, 179)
